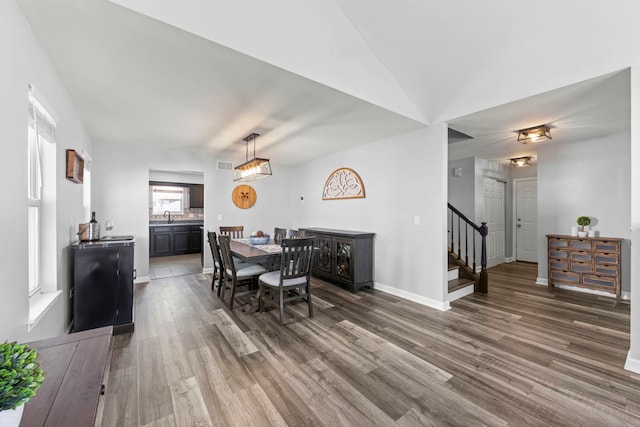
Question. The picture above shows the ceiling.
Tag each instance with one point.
(585, 110)
(137, 80)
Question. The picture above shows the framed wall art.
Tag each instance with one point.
(75, 167)
(343, 183)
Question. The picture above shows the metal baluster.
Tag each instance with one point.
(459, 248)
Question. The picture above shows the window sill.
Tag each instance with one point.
(39, 304)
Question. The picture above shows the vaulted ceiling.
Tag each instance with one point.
(310, 77)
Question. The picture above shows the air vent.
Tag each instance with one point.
(225, 166)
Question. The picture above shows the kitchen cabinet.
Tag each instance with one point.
(161, 241)
(344, 257)
(103, 285)
(180, 239)
(585, 262)
(196, 195)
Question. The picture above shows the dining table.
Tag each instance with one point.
(267, 255)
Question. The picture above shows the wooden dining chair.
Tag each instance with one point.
(296, 234)
(235, 232)
(279, 234)
(217, 261)
(234, 278)
(294, 275)
(218, 264)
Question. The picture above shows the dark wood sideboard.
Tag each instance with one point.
(76, 370)
(585, 262)
(344, 257)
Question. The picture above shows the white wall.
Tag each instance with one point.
(404, 176)
(25, 63)
(121, 193)
(589, 178)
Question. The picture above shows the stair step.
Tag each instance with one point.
(453, 274)
(459, 283)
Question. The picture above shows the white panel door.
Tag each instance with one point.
(493, 215)
(527, 220)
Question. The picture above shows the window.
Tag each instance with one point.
(40, 187)
(168, 198)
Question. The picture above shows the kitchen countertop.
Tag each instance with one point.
(164, 223)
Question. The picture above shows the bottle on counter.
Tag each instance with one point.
(94, 228)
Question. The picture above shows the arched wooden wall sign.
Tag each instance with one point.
(244, 196)
(343, 183)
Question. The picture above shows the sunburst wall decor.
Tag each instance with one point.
(343, 183)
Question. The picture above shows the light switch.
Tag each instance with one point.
(220, 217)
(416, 220)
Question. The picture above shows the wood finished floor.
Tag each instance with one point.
(521, 355)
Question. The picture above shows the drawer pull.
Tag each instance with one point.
(102, 389)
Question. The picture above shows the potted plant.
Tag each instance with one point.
(583, 221)
(20, 377)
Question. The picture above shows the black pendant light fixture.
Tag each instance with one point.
(253, 169)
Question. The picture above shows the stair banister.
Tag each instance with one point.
(481, 230)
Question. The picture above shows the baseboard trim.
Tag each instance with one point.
(207, 270)
(632, 364)
(509, 259)
(142, 279)
(541, 281)
(438, 305)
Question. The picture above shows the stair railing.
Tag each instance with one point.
(460, 225)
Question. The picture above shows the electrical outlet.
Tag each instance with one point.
(220, 217)
(416, 220)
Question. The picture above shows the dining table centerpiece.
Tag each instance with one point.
(259, 238)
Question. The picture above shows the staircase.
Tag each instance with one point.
(458, 286)
(467, 249)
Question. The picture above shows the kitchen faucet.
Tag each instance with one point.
(167, 213)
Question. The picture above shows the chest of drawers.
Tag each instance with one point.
(585, 262)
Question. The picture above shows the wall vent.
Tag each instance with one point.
(225, 166)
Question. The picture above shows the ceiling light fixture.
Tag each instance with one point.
(534, 134)
(521, 162)
(253, 169)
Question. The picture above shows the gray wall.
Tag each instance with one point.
(404, 176)
(589, 178)
(25, 63)
(121, 193)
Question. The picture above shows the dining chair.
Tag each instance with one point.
(296, 234)
(294, 275)
(235, 232)
(234, 277)
(218, 264)
(279, 234)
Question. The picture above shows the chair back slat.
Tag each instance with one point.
(235, 232)
(279, 234)
(297, 255)
(213, 244)
(297, 234)
(227, 257)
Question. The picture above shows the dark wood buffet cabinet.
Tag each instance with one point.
(585, 262)
(76, 370)
(344, 257)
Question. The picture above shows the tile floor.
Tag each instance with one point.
(171, 266)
